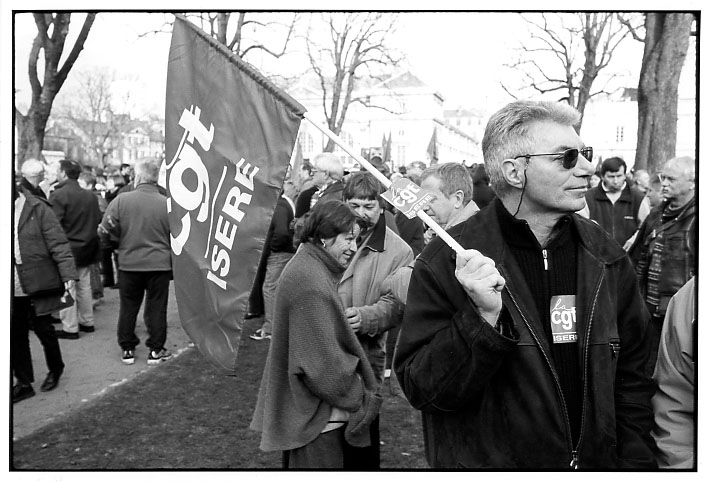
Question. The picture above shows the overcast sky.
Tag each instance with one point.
(460, 54)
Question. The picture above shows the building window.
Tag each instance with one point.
(309, 147)
(401, 133)
(619, 134)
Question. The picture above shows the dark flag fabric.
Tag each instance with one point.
(229, 135)
(386, 152)
(432, 149)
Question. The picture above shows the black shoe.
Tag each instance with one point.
(66, 335)
(252, 315)
(51, 382)
(86, 329)
(22, 392)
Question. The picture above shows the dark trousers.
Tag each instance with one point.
(133, 285)
(330, 450)
(655, 329)
(107, 267)
(24, 319)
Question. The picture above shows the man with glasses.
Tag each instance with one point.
(526, 349)
(327, 175)
(664, 252)
(613, 204)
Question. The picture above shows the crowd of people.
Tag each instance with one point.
(559, 334)
(549, 341)
(77, 232)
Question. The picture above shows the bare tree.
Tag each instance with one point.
(92, 112)
(52, 31)
(666, 43)
(355, 43)
(579, 46)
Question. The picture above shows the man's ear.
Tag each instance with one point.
(459, 196)
(514, 172)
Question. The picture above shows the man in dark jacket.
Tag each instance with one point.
(665, 249)
(278, 251)
(614, 204)
(78, 212)
(139, 220)
(525, 350)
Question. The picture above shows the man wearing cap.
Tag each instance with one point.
(525, 350)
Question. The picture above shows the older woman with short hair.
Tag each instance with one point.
(318, 391)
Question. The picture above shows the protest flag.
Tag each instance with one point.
(386, 152)
(432, 148)
(297, 163)
(229, 136)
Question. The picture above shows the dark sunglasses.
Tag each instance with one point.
(568, 157)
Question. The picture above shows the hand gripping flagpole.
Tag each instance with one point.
(382, 178)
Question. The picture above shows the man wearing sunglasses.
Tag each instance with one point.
(526, 349)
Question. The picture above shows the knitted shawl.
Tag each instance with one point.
(314, 360)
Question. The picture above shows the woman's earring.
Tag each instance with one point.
(323, 244)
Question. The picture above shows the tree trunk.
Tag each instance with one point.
(666, 44)
(31, 126)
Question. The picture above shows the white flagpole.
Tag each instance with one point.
(382, 178)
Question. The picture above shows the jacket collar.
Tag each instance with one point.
(376, 238)
(31, 203)
(470, 209)
(601, 194)
(315, 251)
(483, 230)
(67, 183)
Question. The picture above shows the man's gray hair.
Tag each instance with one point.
(454, 177)
(32, 168)
(330, 163)
(146, 172)
(507, 134)
(685, 164)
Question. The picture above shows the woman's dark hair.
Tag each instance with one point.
(326, 220)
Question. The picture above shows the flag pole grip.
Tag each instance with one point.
(382, 178)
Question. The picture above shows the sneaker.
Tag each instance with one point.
(128, 357)
(160, 356)
(259, 335)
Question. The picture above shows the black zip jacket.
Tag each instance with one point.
(491, 401)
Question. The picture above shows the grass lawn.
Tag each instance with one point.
(185, 414)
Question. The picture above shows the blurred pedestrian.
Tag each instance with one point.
(452, 188)
(526, 349)
(614, 204)
(44, 271)
(279, 244)
(318, 393)
(665, 250)
(675, 413)
(32, 175)
(87, 181)
(139, 220)
(78, 213)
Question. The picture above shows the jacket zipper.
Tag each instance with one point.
(546, 260)
(564, 410)
(574, 454)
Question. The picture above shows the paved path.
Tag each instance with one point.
(93, 365)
